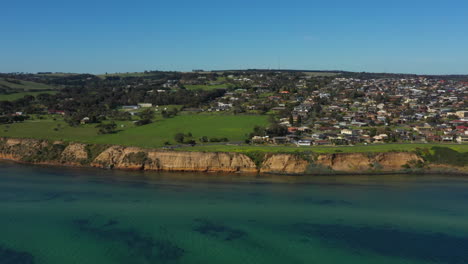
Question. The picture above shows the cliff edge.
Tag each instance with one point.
(134, 158)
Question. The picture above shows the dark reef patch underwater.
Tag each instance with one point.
(10, 256)
(390, 241)
(218, 231)
(137, 244)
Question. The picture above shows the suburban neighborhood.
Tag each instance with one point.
(303, 108)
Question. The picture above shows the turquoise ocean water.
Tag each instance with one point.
(65, 215)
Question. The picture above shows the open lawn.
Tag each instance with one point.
(323, 149)
(233, 127)
(15, 96)
(44, 129)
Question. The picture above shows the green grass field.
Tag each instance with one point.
(323, 149)
(319, 74)
(206, 87)
(26, 85)
(233, 127)
(126, 74)
(15, 96)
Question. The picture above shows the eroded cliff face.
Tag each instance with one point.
(143, 159)
(134, 158)
(75, 153)
(364, 162)
(284, 164)
(43, 152)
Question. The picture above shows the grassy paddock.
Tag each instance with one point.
(26, 85)
(233, 127)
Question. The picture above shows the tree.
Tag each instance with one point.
(107, 128)
(299, 120)
(179, 137)
(277, 130)
(148, 113)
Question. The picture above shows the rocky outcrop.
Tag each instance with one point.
(74, 153)
(134, 158)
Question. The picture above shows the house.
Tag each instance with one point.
(304, 129)
(260, 140)
(85, 120)
(145, 105)
(461, 114)
(130, 107)
(304, 142)
(447, 138)
(322, 142)
(56, 112)
(349, 132)
(462, 139)
(223, 106)
(278, 108)
(380, 138)
(280, 140)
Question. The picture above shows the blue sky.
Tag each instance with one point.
(408, 36)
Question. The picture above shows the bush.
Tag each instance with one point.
(219, 139)
(179, 137)
(136, 158)
(143, 122)
(444, 155)
(93, 151)
(107, 128)
(51, 152)
(257, 157)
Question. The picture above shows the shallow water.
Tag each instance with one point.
(62, 215)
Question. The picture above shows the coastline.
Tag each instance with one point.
(57, 153)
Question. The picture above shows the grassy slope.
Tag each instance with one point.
(26, 85)
(15, 96)
(235, 128)
(23, 89)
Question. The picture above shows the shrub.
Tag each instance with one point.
(444, 155)
(257, 157)
(137, 158)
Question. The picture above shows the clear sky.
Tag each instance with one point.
(408, 36)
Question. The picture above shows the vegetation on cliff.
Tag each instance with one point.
(445, 156)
